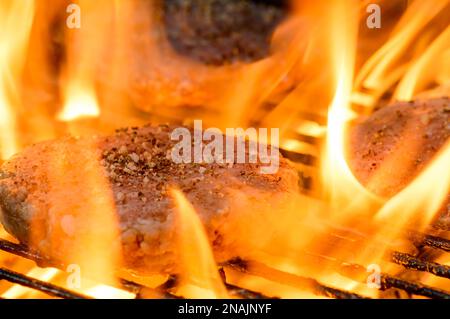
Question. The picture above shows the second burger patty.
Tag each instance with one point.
(391, 147)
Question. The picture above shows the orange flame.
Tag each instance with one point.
(196, 258)
(85, 47)
(341, 186)
(386, 66)
(80, 102)
(18, 291)
(313, 55)
(418, 200)
(422, 72)
(82, 210)
(17, 18)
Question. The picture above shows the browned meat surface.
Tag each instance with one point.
(221, 31)
(394, 144)
(52, 184)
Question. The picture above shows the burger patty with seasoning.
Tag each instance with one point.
(47, 189)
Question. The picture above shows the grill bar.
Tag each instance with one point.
(239, 291)
(412, 287)
(232, 289)
(130, 286)
(302, 158)
(411, 262)
(357, 272)
(431, 241)
(261, 270)
(22, 251)
(253, 268)
(45, 287)
(245, 293)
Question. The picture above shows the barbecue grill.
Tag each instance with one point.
(427, 245)
(411, 281)
(415, 263)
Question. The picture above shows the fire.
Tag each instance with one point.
(418, 202)
(92, 228)
(80, 103)
(56, 276)
(420, 74)
(387, 65)
(16, 20)
(85, 44)
(351, 203)
(18, 291)
(108, 292)
(252, 84)
(201, 278)
(341, 186)
(415, 207)
(314, 56)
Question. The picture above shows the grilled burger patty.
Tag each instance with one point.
(200, 47)
(49, 183)
(395, 143)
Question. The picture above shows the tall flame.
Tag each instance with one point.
(419, 202)
(85, 46)
(340, 184)
(196, 258)
(423, 71)
(386, 66)
(16, 19)
(85, 229)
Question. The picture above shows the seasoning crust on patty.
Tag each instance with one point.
(50, 181)
(393, 145)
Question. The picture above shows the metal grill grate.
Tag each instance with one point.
(352, 271)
